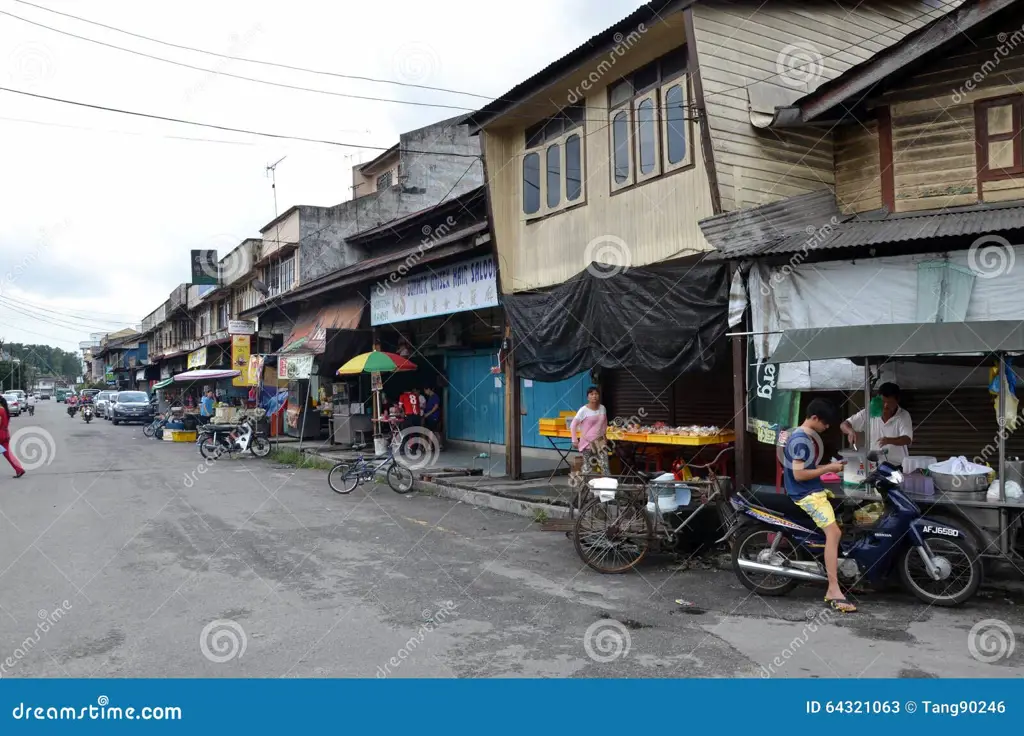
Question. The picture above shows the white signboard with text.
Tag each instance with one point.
(460, 287)
(241, 327)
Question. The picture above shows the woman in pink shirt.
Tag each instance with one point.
(588, 432)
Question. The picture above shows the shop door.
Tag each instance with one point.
(545, 400)
(474, 404)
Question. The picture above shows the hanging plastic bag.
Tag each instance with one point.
(1013, 491)
(875, 407)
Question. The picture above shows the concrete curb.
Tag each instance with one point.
(528, 509)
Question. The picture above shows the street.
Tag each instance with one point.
(172, 568)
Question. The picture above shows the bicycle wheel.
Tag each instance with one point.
(260, 446)
(613, 537)
(343, 478)
(400, 478)
(149, 429)
(211, 449)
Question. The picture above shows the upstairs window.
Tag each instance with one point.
(998, 140)
(384, 180)
(648, 121)
(553, 163)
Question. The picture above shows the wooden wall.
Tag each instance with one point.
(857, 168)
(740, 44)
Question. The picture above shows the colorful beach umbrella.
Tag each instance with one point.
(376, 362)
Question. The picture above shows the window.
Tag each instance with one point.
(556, 183)
(222, 315)
(998, 131)
(648, 121)
(281, 275)
(384, 180)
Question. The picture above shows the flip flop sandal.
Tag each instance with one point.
(842, 606)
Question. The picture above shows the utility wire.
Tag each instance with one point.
(290, 67)
(123, 132)
(278, 136)
(69, 322)
(71, 316)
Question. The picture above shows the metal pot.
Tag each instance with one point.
(1015, 471)
(950, 483)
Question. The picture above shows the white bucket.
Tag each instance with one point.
(380, 445)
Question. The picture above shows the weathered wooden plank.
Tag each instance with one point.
(936, 202)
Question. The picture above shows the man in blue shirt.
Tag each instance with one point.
(206, 409)
(802, 476)
(432, 412)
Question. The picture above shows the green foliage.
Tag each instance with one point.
(43, 360)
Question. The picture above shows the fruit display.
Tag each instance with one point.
(660, 428)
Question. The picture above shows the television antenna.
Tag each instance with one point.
(271, 172)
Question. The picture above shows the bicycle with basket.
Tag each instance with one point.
(622, 522)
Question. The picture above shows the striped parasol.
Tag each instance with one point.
(376, 362)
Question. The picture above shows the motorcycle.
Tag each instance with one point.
(87, 414)
(776, 546)
(216, 440)
(31, 410)
(71, 411)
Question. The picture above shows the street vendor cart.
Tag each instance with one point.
(995, 525)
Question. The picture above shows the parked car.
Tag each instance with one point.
(109, 413)
(131, 406)
(13, 403)
(100, 402)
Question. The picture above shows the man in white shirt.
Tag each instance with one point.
(891, 433)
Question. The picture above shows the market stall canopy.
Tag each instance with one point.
(376, 362)
(309, 333)
(207, 374)
(665, 317)
(903, 341)
(164, 383)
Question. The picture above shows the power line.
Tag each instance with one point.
(223, 73)
(260, 61)
(67, 323)
(103, 314)
(278, 136)
(123, 132)
(70, 315)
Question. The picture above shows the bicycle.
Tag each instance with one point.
(345, 476)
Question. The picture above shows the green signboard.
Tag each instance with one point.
(205, 268)
(769, 409)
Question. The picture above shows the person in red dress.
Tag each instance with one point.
(5, 438)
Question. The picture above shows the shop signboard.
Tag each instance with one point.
(769, 409)
(282, 368)
(165, 371)
(109, 376)
(461, 287)
(205, 267)
(300, 367)
(241, 327)
(240, 350)
(140, 375)
(197, 359)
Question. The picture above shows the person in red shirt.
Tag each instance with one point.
(410, 402)
(5, 438)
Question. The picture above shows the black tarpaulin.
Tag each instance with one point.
(665, 317)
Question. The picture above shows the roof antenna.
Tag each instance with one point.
(271, 172)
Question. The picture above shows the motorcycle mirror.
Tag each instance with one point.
(873, 456)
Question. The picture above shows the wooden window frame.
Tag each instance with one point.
(541, 149)
(983, 139)
(657, 92)
(626, 109)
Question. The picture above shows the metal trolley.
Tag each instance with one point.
(620, 523)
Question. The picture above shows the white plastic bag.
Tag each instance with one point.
(959, 466)
(1013, 491)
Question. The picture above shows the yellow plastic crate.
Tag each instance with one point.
(179, 435)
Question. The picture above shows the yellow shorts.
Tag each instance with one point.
(818, 508)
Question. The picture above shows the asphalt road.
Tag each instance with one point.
(126, 557)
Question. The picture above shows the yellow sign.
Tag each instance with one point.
(197, 359)
(240, 348)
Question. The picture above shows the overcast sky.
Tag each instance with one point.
(98, 211)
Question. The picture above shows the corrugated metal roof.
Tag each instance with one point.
(746, 231)
(875, 229)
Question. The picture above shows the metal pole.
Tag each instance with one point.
(305, 410)
(1002, 427)
(867, 411)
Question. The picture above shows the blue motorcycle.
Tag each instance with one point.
(776, 546)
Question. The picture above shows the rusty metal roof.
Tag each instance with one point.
(883, 228)
(745, 232)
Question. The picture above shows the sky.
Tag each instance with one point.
(98, 211)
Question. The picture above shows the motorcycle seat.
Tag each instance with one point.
(782, 505)
(219, 427)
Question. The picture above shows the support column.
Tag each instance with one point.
(513, 411)
(739, 401)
